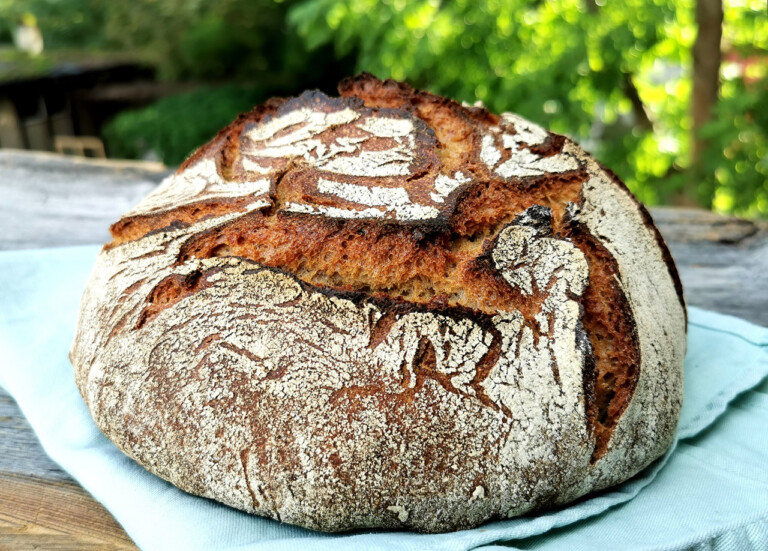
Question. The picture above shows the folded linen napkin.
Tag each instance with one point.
(710, 491)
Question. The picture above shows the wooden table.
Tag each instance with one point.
(50, 201)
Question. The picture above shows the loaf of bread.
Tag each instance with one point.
(385, 310)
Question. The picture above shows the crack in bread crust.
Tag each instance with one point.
(438, 293)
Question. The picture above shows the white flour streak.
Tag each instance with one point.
(525, 131)
(199, 182)
(312, 123)
(522, 161)
(444, 185)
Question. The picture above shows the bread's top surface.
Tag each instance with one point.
(438, 254)
(383, 151)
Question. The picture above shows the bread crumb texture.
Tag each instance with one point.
(385, 310)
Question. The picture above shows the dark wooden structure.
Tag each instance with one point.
(68, 99)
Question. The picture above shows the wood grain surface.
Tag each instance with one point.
(36, 513)
(52, 201)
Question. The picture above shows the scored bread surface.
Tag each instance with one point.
(385, 310)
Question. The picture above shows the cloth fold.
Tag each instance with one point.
(710, 491)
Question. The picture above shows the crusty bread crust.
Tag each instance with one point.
(385, 309)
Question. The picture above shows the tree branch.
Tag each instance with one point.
(630, 90)
(706, 67)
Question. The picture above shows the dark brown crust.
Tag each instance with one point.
(615, 349)
(171, 290)
(439, 265)
(130, 228)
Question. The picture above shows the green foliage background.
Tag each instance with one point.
(174, 126)
(614, 75)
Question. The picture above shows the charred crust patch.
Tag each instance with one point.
(537, 217)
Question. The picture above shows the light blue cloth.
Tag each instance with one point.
(710, 492)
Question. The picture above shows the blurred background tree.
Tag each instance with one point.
(618, 76)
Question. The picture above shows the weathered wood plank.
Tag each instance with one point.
(692, 225)
(20, 451)
(45, 514)
(55, 201)
(723, 261)
(50, 201)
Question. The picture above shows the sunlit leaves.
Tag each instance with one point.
(738, 151)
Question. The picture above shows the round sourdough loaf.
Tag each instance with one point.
(385, 309)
